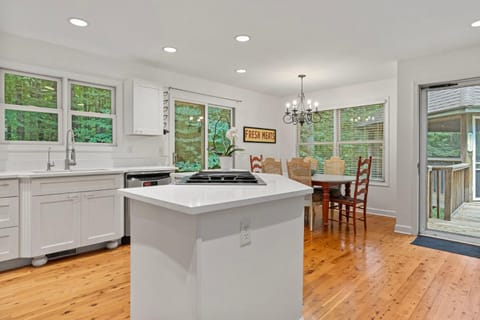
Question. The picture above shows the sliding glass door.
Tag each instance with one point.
(199, 131)
(450, 161)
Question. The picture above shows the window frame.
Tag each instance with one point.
(112, 115)
(28, 108)
(337, 142)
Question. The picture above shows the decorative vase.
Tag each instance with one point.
(226, 163)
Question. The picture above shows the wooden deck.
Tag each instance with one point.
(465, 221)
(373, 275)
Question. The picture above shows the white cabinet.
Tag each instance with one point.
(99, 218)
(55, 220)
(9, 216)
(8, 243)
(143, 108)
(62, 213)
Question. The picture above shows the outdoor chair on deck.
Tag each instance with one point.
(359, 199)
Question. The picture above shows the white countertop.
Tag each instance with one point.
(198, 199)
(79, 172)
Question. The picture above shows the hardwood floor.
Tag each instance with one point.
(373, 275)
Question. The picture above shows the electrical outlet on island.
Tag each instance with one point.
(245, 235)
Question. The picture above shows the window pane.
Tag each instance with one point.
(30, 91)
(362, 123)
(219, 120)
(91, 99)
(318, 132)
(319, 152)
(30, 126)
(189, 136)
(92, 129)
(444, 138)
(351, 152)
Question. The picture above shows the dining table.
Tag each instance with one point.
(326, 181)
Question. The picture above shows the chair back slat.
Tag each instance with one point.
(335, 166)
(256, 163)
(300, 171)
(270, 165)
(362, 180)
(313, 162)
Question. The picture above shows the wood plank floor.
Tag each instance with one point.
(373, 275)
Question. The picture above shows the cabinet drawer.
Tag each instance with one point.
(8, 212)
(44, 186)
(8, 188)
(8, 243)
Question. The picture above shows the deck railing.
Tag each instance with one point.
(448, 188)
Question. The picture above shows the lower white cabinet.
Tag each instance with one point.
(63, 213)
(99, 217)
(8, 243)
(9, 217)
(66, 221)
(55, 223)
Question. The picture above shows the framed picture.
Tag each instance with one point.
(259, 135)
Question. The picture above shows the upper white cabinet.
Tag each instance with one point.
(143, 108)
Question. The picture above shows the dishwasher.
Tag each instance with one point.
(142, 180)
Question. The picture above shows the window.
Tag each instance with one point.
(92, 113)
(191, 134)
(31, 112)
(31, 107)
(347, 133)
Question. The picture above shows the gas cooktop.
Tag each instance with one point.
(224, 177)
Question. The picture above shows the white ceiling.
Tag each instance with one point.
(334, 42)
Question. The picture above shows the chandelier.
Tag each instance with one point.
(301, 111)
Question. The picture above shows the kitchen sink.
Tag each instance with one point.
(70, 170)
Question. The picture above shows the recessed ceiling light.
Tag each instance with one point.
(169, 49)
(241, 70)
(242, 38)
(476, 24)
(78, 22)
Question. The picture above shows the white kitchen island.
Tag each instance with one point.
(217, 252)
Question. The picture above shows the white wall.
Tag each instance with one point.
(15, 52)
(455, 65)
(381, 196)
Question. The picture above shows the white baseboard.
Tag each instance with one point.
(382, 212)
(400, 228)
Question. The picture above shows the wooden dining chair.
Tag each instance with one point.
(270, 165)
(334, 165)
(256, 163)
(313, 163)
(360, 195)
(300, 171)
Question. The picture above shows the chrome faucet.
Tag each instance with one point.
(70, 157)
(50, 164)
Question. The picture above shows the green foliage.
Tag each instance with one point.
(444, 145)
(42, 126)
(91, 99)
(359, 132)
(30, 91)
(219, 120)
(318, 132)
(362, 123)
(189, 136)
(92, 129)
(30, 126)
